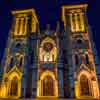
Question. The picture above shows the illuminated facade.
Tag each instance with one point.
(49, 63)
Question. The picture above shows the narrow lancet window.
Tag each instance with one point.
(76, 59)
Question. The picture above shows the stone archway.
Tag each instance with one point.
(47, 85)
(14, 85)
(85, 86)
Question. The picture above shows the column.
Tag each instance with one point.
(23, 86)
(76, 22)
(33, 26)
(77, 91)
(56, 88)
(9, 88)
(72, 23)
(26, 26)
(16, 27)
(21, 26)
(82, 21)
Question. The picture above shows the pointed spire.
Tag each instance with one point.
(48, 27)
(38, 29)
(58, 27)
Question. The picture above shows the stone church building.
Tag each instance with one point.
(57, 63)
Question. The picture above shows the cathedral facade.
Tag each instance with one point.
(49, 63)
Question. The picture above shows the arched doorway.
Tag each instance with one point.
(14, 87)
(85, 86)
(48, 86)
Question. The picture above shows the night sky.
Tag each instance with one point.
(48, 12)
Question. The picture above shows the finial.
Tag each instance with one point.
(57, 27)
(48, 26)
(38, 28)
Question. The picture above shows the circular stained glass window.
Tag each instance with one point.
(48, 46)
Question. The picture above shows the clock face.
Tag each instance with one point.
(48, 46)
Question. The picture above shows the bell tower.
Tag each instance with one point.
(14, 63)
(80, 51)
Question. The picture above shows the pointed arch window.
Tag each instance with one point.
(18, 45)
(87, 59)
(21, 61)
(48, 50)
(76, 59)
(11, 62)
(53, 57)
(79, 41)
(43, 58)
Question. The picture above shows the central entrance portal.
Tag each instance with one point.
(48, 86)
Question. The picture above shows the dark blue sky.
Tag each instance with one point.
(48, 11)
